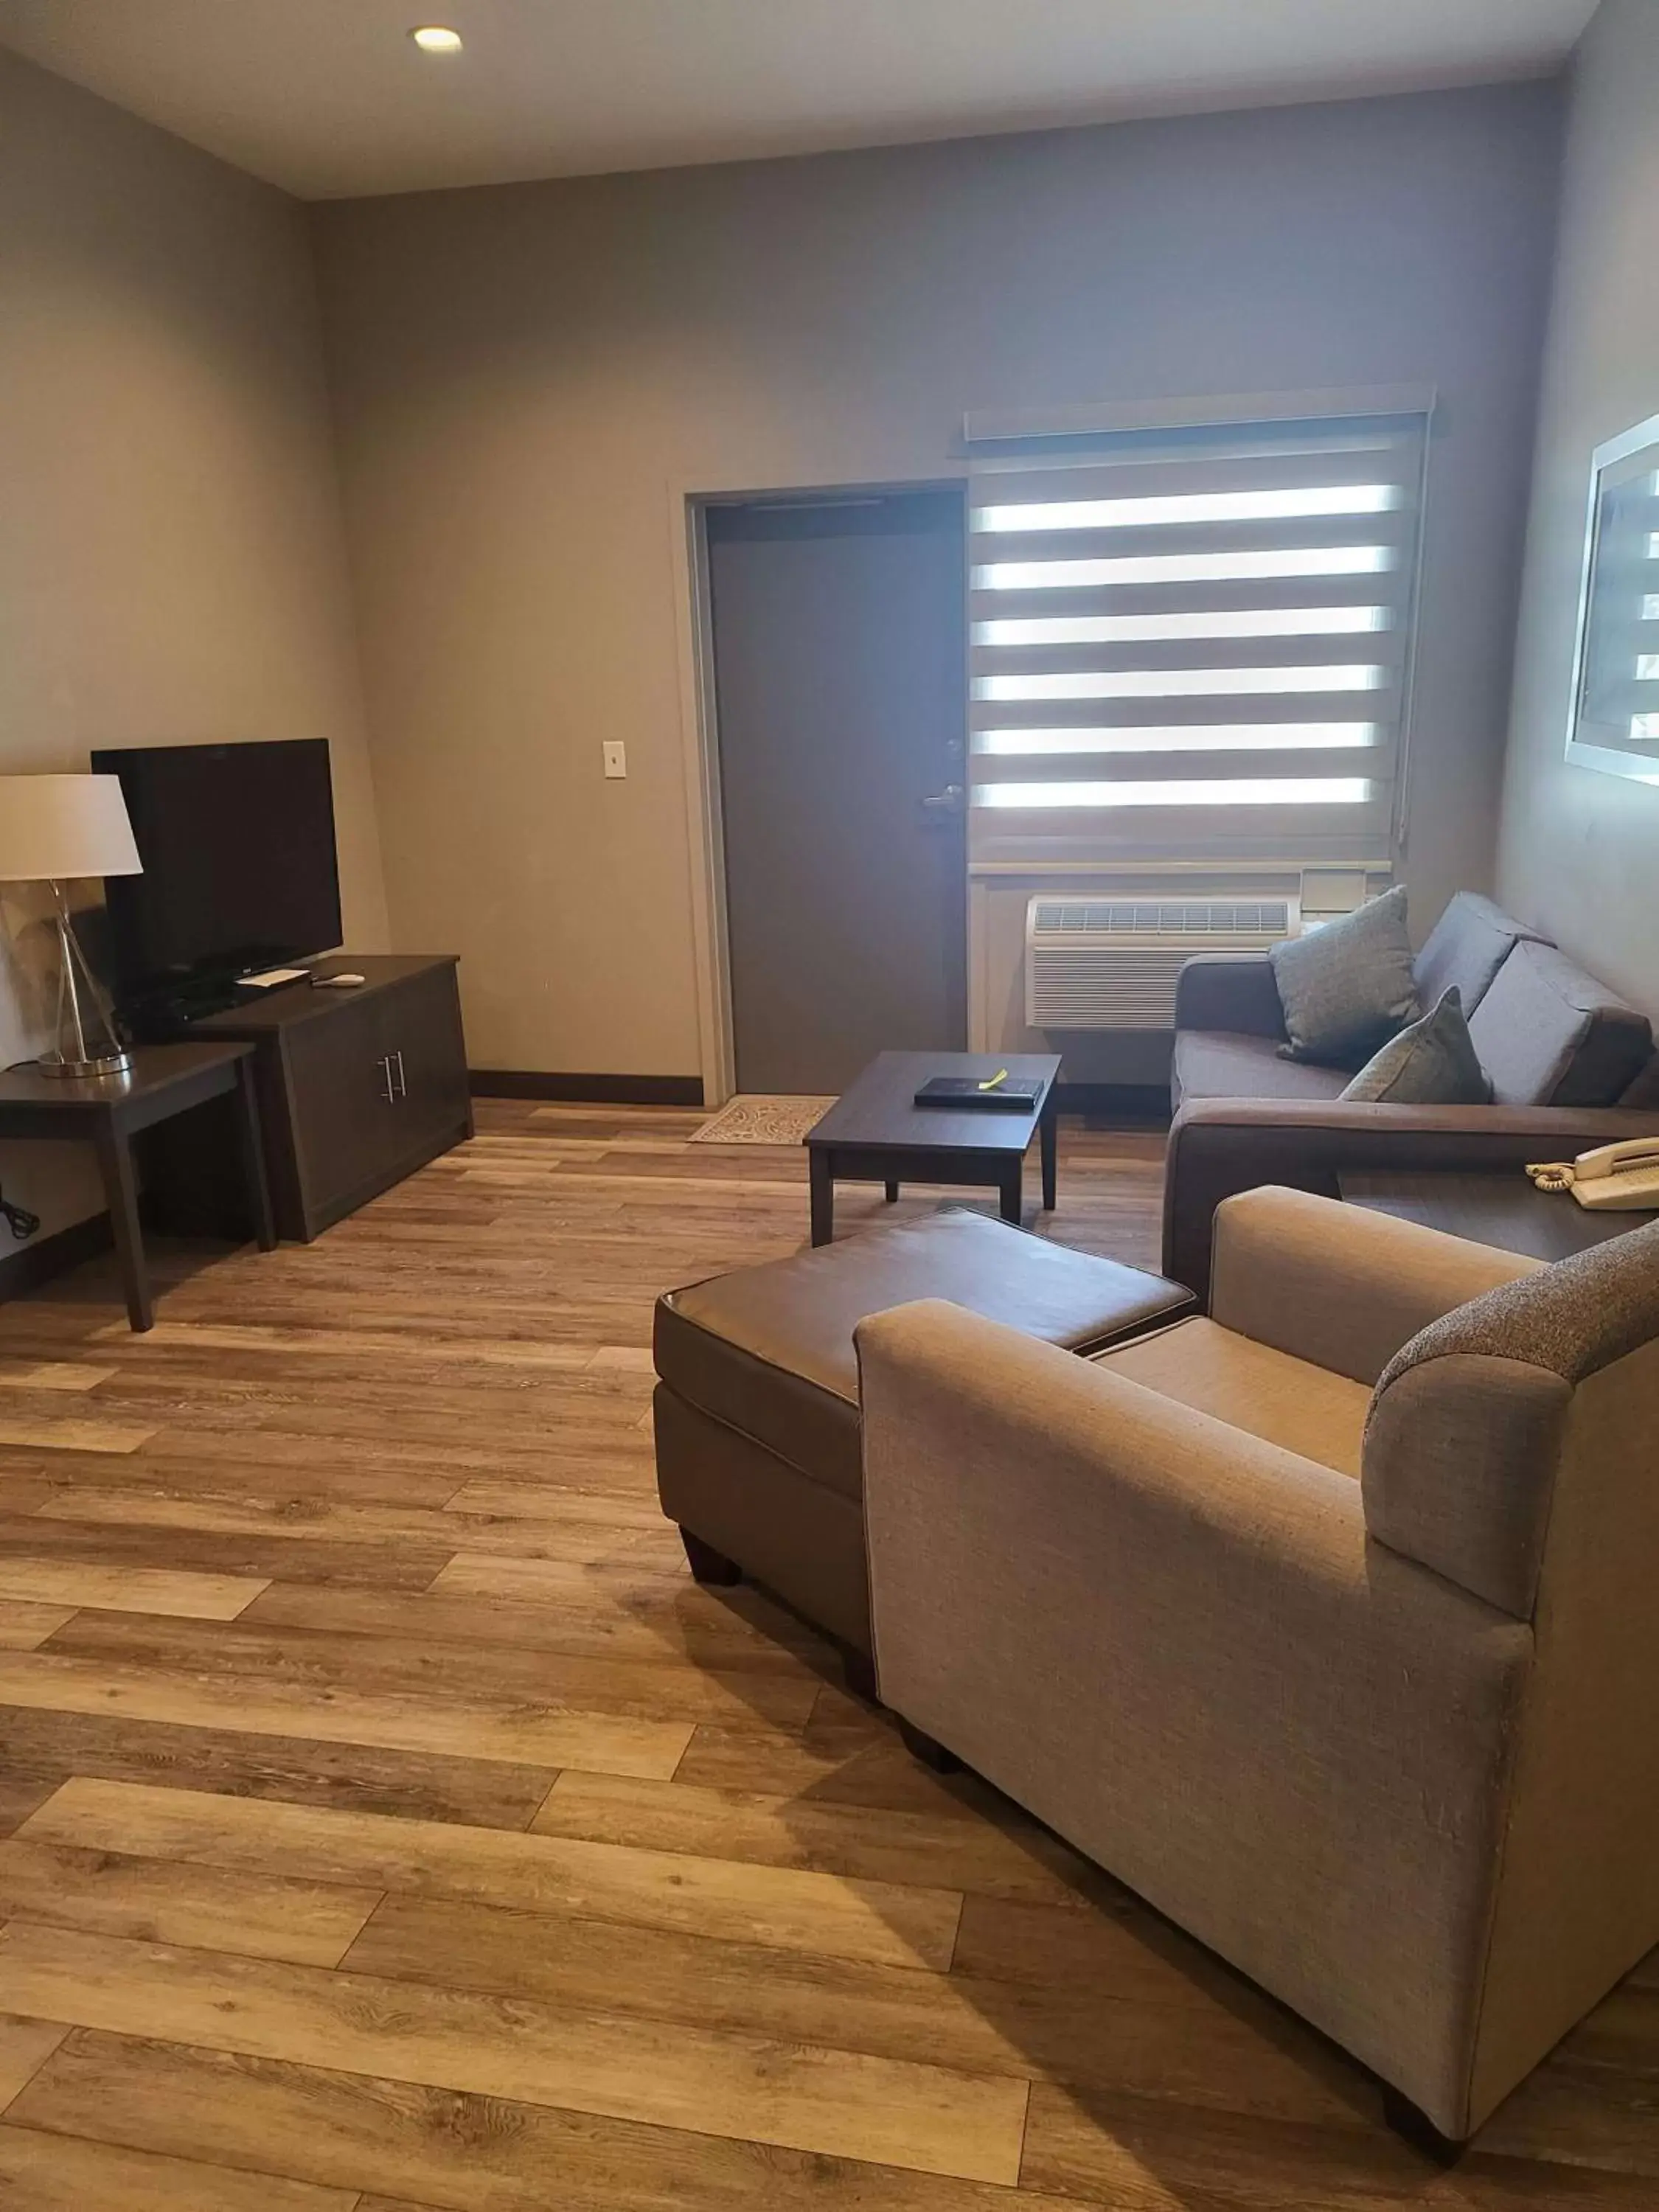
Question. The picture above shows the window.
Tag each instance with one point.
(1193, 639)
(1615, 689)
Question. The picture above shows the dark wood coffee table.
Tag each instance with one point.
(876, 1132)
(1504, 1209)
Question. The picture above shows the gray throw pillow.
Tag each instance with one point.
(1346, 987)
(1432, 1063)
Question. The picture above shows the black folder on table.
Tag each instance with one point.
(1015, 1094)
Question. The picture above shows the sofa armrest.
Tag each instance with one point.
(1174, 1643)
(1219, 1146)
(1340, 1286)
(1232, 991)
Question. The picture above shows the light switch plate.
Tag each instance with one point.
(616, 757)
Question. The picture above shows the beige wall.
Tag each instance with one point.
(1580, 852)
(524, 377)
(172, 565)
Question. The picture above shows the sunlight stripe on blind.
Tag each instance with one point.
(1194, 737)
(1176, 682)
(1290, 562)
(1288, 505)
(1240, 791)
(1248, 622)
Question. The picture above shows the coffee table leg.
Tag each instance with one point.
(1048, 1139)
(1012, 1187)
(823, 1196)
(891, 1189)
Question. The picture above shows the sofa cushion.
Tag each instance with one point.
(1549, 1035)
(769, 1350)
(1432, 1063)
(1227, 1064)
(1268, 1393)
(1347, 987)
(1467, 947)
(1644, 1092)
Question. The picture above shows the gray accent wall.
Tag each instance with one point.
(172, 563)
(528, 379)
(1580, 850)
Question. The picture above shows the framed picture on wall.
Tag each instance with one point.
(1614, 723)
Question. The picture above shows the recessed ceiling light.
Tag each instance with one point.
(437, 39)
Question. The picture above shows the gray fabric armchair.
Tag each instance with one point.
(1326, 1623)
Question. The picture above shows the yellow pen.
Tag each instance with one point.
(1001, 1076)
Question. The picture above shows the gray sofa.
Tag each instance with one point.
(1324, 1622)
(1571, 1067)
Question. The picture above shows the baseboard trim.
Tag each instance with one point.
(1117, 1102)
(586, 1090)
(31, 1265)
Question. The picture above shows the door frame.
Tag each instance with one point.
(689, 501)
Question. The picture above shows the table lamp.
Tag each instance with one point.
(54, 830)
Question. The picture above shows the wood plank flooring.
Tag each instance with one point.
(387, 1824)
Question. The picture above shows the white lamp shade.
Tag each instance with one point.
(53, 828)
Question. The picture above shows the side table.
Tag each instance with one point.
(108, 1111)
(1502, 1209)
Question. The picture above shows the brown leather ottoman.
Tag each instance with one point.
(756, 1402)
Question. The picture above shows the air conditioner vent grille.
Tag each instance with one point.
(1141, 918)
(1113, 963)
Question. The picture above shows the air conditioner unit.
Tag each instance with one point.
(1111, 963)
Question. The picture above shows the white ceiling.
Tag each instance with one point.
(331, 99)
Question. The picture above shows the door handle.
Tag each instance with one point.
(945, 805)
(403, 1084)
(385, 1066)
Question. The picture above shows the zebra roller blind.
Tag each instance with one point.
(1194, 643)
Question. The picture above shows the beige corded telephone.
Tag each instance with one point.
(1617, 1177)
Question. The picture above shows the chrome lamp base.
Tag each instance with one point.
(108, 1063)
(85, 1044)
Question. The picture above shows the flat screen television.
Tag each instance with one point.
(239, 870)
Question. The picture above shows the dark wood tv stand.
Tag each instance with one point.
(356, 1088)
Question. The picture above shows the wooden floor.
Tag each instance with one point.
(389, 1823)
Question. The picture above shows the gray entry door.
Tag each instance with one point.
(840, 682)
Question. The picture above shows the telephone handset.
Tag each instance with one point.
(1615, 1178)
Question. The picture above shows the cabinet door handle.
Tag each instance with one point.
(385, 1066)
(403, 1086)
